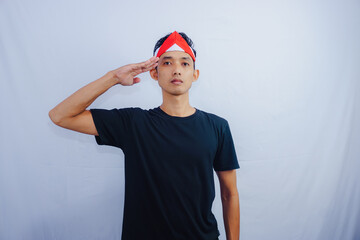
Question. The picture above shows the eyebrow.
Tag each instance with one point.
(184, 58)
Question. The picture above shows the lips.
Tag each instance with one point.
(176, 81)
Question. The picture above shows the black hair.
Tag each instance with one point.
(184, 36)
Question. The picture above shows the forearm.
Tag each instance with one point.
(81, 99)
(231, 214)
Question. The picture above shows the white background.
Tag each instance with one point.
(285, 74)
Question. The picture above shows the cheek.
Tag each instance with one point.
(163, 71)
(190, 74)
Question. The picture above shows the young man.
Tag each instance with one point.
(170, 151)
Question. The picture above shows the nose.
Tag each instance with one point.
(176, 70)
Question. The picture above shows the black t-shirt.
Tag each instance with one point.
(169, 162)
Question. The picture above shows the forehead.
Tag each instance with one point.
(175, 55)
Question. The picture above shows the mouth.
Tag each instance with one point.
(176, 81)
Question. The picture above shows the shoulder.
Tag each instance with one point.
(116, 112)
(125, 111)
(218, 124)
(215, 119)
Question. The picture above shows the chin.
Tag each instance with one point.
(175, 92)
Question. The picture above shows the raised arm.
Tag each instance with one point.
(72, 114)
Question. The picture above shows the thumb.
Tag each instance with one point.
(136, 80)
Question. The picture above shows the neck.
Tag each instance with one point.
(177, 106)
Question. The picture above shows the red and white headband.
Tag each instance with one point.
(175, 42)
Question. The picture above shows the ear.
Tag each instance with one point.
(154, 74)
(196, 75)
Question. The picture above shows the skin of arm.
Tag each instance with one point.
(230, 203)
(81, 99)
(76, 104)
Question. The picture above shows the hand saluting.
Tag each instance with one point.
(126, 75)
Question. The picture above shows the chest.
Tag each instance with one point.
(192, 144)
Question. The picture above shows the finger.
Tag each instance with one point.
(153, 59)
(136, 80)
(145, 66)
(150, 61)
(150, 67)
(146, 63)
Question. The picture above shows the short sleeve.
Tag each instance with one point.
(225, 158)
(112, 125)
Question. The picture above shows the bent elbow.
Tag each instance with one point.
(54, 118)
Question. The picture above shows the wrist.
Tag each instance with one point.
(111, 77)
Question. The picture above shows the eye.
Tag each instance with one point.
(186, 64)
(166, 63)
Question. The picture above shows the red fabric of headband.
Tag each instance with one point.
(175, 39)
